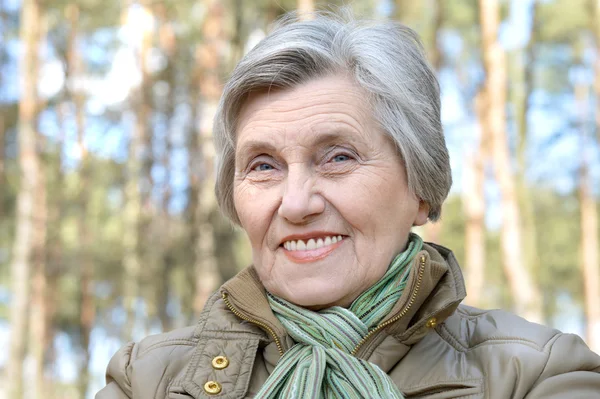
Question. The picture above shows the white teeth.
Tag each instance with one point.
(300, 245)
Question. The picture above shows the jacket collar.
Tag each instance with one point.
(435, 289)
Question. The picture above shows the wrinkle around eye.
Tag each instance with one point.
(334, 169)
(266, 176)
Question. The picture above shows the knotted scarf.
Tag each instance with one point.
(320, 364)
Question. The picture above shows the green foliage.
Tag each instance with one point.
(462, 15)
(559, 237)
(453, 236)
(557, 225)
(563, 21)
(453, 227)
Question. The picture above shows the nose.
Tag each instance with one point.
(300, 201)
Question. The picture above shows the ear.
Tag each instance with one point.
(422, 214)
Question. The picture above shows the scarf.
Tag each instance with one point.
(320, 364)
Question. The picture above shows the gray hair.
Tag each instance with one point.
(386, 59)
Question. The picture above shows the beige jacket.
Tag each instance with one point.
(429, 345)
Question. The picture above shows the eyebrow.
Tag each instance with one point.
(334, 136)
(251, 147)
(322, 138)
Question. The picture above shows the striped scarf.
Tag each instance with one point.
(320, 364)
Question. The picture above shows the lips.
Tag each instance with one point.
(311, 247)
(311, 243)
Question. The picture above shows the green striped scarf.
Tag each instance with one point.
(320, 364)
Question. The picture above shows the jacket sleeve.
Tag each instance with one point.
(571, 371)
(118, 384)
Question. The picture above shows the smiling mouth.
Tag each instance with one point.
(311, 250)
(311, 244)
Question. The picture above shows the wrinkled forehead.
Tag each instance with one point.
(334, 98)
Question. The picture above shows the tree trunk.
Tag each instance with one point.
(87, 310)
(305, 8)
(525, 63)
(2, 152)
(193, 198)
(272, 12)
(39, 296)
(589, 217)
(24, 242)
(209, 61)
(238, 36)
(149, 245)
(133, 189)
(525, 294)
(596, 28)
(433, 230)
(408, 11)
(474, 203)
(168, 44)
(400, 10)
(39, 321)
(435, 53)
(2, 122)
(55, 262)
(590, 257)
(87, 306)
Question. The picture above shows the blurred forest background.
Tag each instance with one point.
(109, 229)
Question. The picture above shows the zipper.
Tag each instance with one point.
(225, 297)
(404, 311)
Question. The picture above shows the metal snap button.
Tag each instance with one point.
(212, 387)
(431, 323)
(220, 362)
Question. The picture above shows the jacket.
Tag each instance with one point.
(430, 345)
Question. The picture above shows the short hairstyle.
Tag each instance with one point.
(386, 59)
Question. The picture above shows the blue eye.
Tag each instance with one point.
(263, 167)
(340, 158)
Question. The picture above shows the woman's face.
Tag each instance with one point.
(321, 192)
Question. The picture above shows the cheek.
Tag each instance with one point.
(368, 203)
(244, 202)
(254, 211)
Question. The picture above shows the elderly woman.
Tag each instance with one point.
(330, 149)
